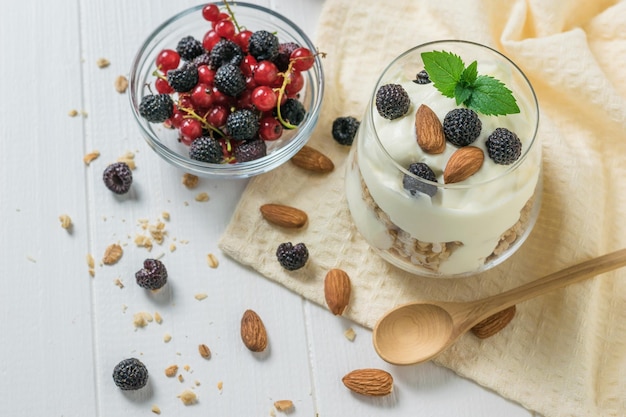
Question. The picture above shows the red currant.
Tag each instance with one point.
(162, 86)
(167, 59)
(225, 28)
(206, 75)
(176, 120)
(221, 98)
(266, 73)
(270, 128)
(217, 116)
(210, 39)
(303, 59)
(244, 101)
(264, 98)
(201, 96)
(242, 39)
(190, 129)
(248, 65)
(211, 12)
(295, 83)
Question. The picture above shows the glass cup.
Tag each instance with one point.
(431, 228)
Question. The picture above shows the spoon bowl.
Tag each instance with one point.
(416, 332)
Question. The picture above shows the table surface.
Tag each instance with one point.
(64, 330)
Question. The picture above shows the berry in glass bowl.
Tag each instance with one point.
(236, 75)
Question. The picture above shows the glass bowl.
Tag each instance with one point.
(190, 22)
(439, 229)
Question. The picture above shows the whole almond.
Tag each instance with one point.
(337, 290)
(284, 216)
(429, 130)
(463, 163)
(371, 382)
(312, 160)
(253, 333)
(494, 323)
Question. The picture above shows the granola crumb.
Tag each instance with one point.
(284, 405)
(165, 215)
(212, 261)
(129, 159)
(90, 261)
(188, 397)
(190, 180)
(72, 113)
(112, 254)
(180, 378)
(200, 296)
(103, 62)
(172, 247)
(202, 197)
(118, 282)
(121, 84)
(350, 334)
(143, 241)
(92, 272)
(220, 386)
(142, 319)
(156, 409)
(196, 383)
(187, 368)
(204, 351)
(171, 371)
(157, 317)
(167, 337)
(90, 157)
(66, 221)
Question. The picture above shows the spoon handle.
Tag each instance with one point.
(556, 280)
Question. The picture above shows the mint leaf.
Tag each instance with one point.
(491, 97)
(462, 93)
(470, 73)
(463, 89)
(444, 70)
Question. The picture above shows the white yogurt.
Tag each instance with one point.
(475, 212)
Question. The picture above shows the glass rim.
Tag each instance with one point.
(315, 77)
(433, 44)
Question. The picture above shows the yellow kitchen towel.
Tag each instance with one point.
(564, 354)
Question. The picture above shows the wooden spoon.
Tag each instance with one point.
(416, 332)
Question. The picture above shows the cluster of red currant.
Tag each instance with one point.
(204, 109)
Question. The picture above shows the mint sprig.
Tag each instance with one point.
(482, 93)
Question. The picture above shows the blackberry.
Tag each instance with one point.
(263, 45)
(153, 275)
(118, 177)
(292, 257)
(461, 126)
(415, 186)
(284, 53)
(130, 374)
(189, 47)
(249, 151)
(422, 77)
(202, 59)
(392, 101)
(503, 146)
(206, 149)
(230, 80)
(344, 129)
(183, 79)
(225, 52)
(156, 108)
(242, 124)
(292, 111)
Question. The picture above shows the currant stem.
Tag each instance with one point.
(191, 114)
(232, 15)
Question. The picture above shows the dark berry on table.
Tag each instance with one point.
(392, 101)
(242, 124)
(152, 276)
(503, 146)
(118, 177)
(284, 53)
(225, 52)
(292, 111)
(183, 79)
(422, 77)
(206, 149)
(263, 45)
(461, 126)
(189, 47)
(230, 80)
(344, 129)
(415, 186)
(249, 151)
(292, 257)
(156, 108)
(130, 374)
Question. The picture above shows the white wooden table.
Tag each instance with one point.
(63, 330)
